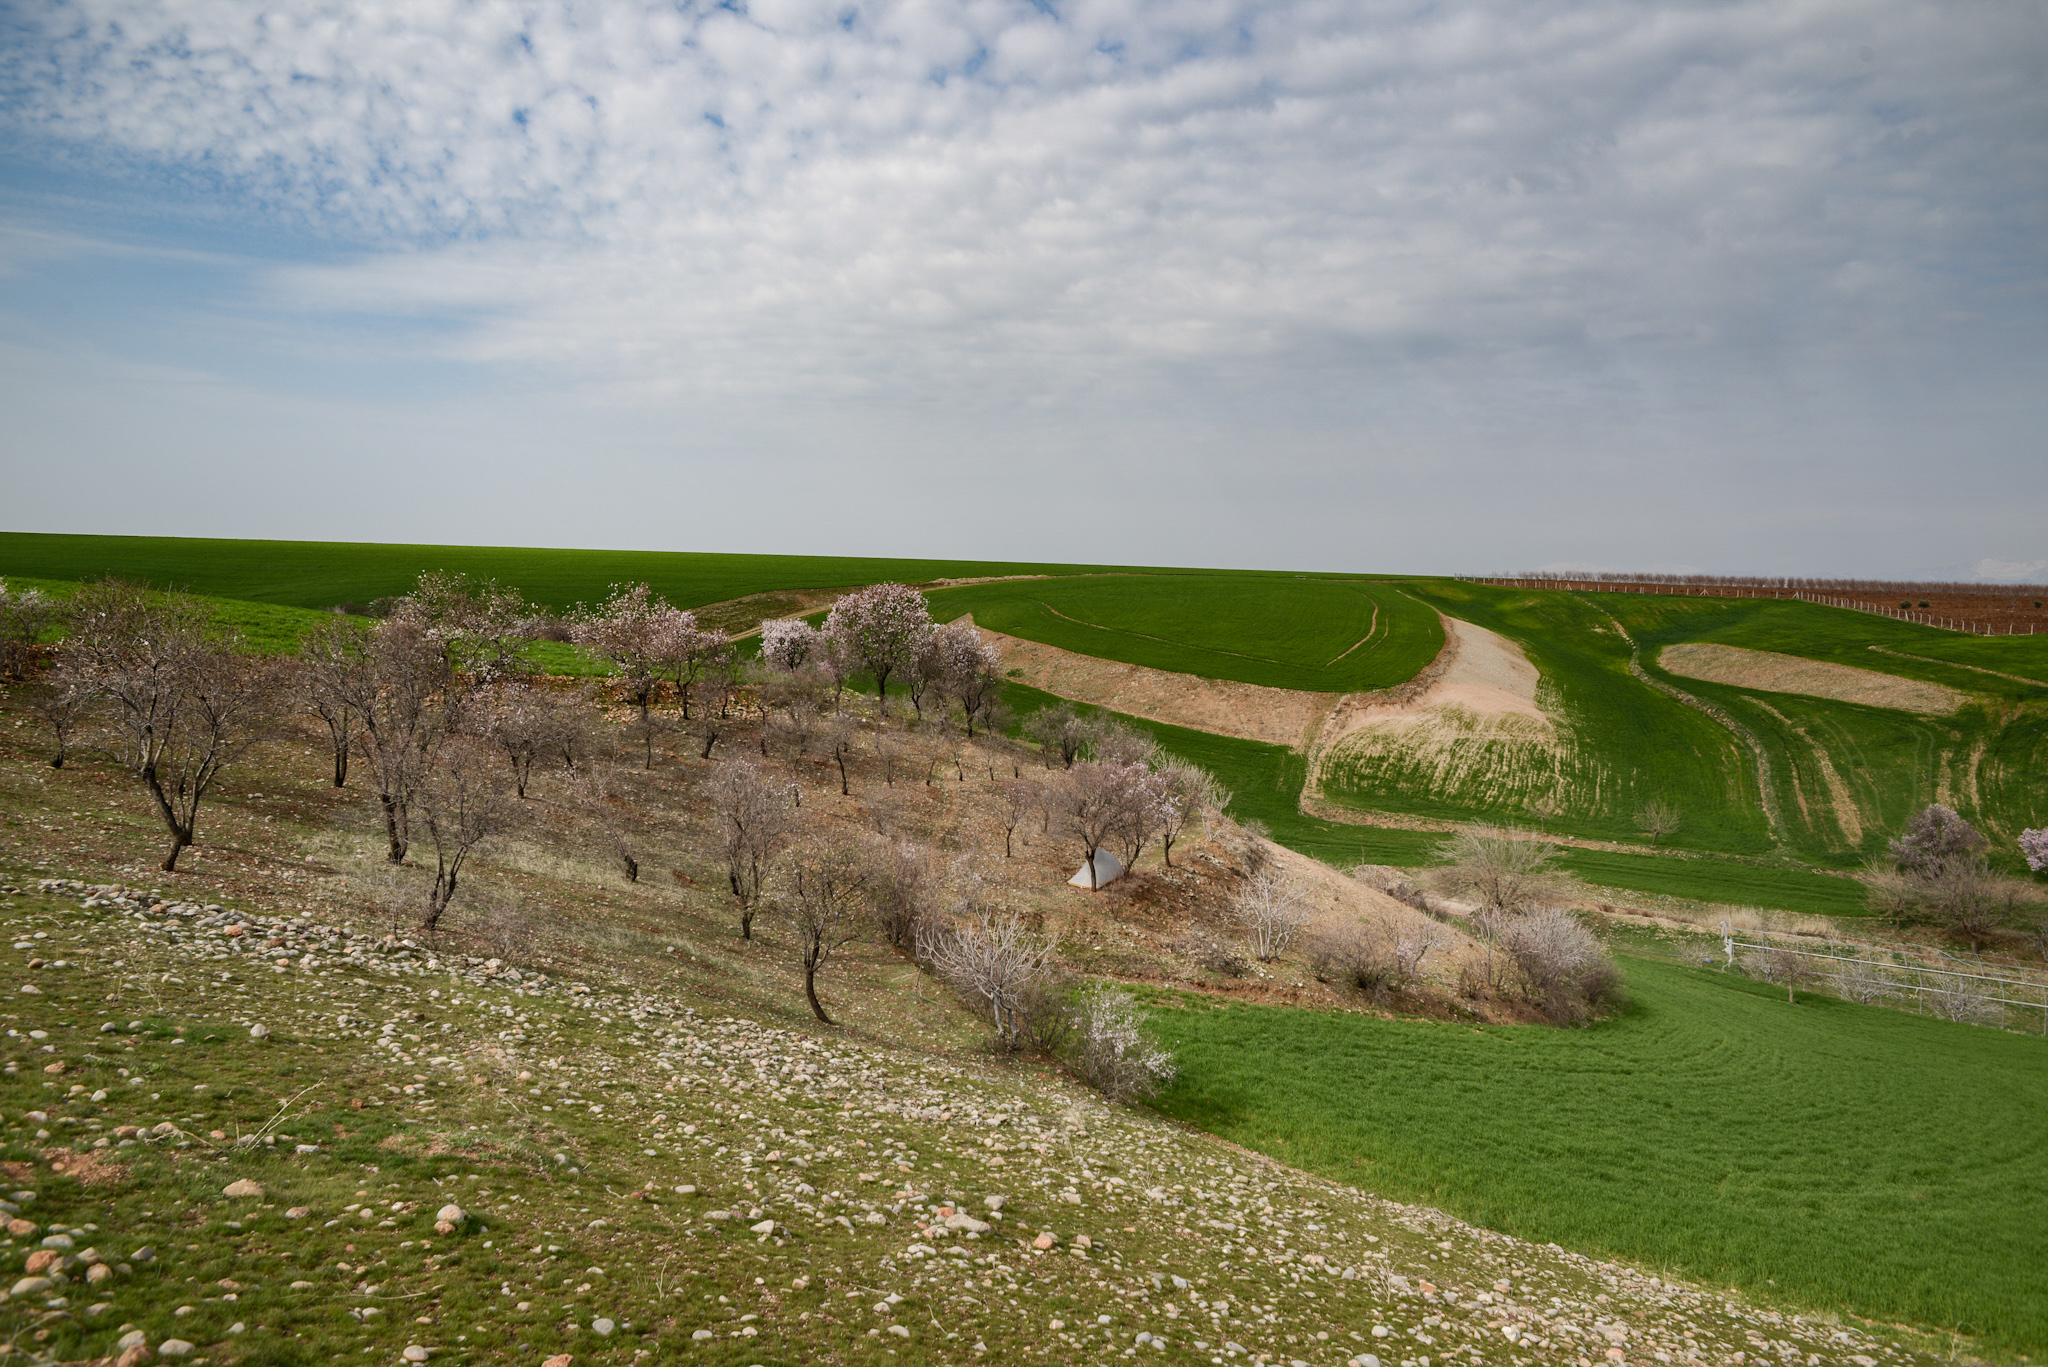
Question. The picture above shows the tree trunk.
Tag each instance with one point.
(393, 838)
(632, 867)
(341, 765)
(811, 990)
(843, 790)
(746, 922)
(711, 739)
(179, 841)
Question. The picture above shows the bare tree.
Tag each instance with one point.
(1144, 810)
(1960, 895)
(1019, 797)
(185, 704)
(63, 704)
(410, 701)
(836, 738)
(755, 822)
(332, 656)
(924, 674)
(463, 800)
(992, 958)
(824, 889)
(1503, 871)
(1657, 819)
(1186, 791)
(698, 652)
(25, 614)
(1094, 801)
(1544, 807)
(972, 672)
(904, 887)
(880, 628)
(1057, 731)
(610, 814)
(1270, 909)
(524, 723)
(1112, 740)
(889, 753)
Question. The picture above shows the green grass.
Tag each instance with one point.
(1623, 743)
(1316, 634)
(1837, 1155)
(1707, 879)
(319, 574)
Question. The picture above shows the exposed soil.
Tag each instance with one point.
(1770, 672)
(1277, 716)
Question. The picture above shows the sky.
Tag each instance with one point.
(1752, 286)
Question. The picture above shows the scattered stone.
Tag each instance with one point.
(242, 1187)
(174, 1348)
(298, 1212)
(29, 1286)
(259, 1032)
(602, 1327)
(558, 1360)
(415, 1353)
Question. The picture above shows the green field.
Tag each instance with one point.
(320, 574)
(1843, 777)
(1836, 1155)
(1316, 634)
(1266, 780)
(1706, 879)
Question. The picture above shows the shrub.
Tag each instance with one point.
(1564, 970)
(1498, 868)
(1110, 1053)
(990, 957)
(1270, 909)
(1357, 954)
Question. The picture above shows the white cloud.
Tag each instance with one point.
(1621, 229)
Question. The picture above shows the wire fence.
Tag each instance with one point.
(1969, 988)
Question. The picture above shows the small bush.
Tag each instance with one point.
(1564, 969)
(1110, 1053)
(1356, 954)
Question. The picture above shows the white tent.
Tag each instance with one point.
(1108, 868)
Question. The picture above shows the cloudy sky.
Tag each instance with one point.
(1746, 285)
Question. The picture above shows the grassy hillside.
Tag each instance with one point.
(1843, 776)
(1847, 1156)
(1320, 635)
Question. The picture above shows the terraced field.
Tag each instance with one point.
(1752, 770)
(1316, 634)
(1823, 1152)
